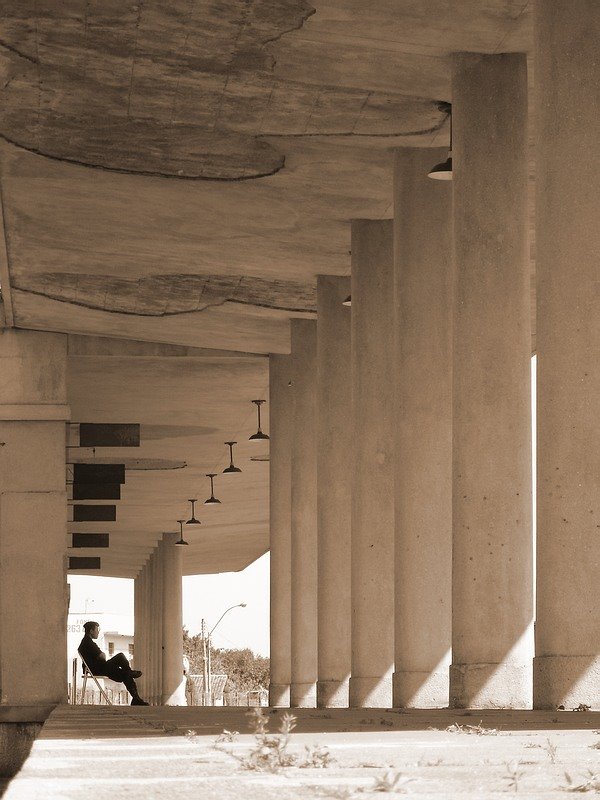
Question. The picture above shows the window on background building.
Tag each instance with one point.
(130, 649)
(111, 648)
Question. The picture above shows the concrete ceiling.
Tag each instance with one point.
(179, 173)
(187, 402)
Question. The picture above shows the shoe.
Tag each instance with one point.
(137, 701)
(136, 673)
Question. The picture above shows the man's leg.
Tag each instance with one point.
(117, 669)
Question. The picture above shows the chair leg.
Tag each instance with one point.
(101, 690)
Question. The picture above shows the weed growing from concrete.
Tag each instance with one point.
(430, 763)
(590, 784)
(191, 735)
(316, 757)
(550, 749)
(513, 775)
(390, 781)
(270, 752)
(227, 736)
(475, 730)
(342, 793)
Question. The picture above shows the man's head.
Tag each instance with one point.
(92, 629)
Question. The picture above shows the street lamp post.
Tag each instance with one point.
(210, 633)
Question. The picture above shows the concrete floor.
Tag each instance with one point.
(144, 752)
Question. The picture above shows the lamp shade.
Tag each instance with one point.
(442, 171)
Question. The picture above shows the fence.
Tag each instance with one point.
(255, 697)
(92, 695)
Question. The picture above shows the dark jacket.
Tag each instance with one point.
(91, 654)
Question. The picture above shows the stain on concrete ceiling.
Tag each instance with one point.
(168, 295)
(180, 89)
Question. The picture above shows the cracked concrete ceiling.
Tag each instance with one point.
(179, 173)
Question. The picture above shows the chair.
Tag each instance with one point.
(87, 673)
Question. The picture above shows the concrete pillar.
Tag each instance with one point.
(33, 518)
(155, 628)
(373, 464)
(567, 71)
(303, 690)
(173, 680)
(423, 546)
(138, 589)
(140, 629)
(334, 490)
(492, 531)
(146, 679)
(150, 633)
(281, 408)
(158, 622)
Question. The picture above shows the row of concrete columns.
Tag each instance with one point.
(421, 504)
(401, 486)
(159, 625)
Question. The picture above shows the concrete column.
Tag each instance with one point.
(158, 622)
(155, 637)
(567, 71)
(146, 679)
(423, 547)
(138, 589)
(334, 495)
(492, 531)
(33, 518)
(173, 680)
(281, 406)
(303, 690)
(140, 629)
(150, 632)
(373, 464)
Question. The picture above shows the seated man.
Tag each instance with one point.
(116, 668)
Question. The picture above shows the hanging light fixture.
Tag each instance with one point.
(259, 436)
(212, 500)
(443, 170)
(192, 520)
(181, 540)
(231, 468)
(348, 301)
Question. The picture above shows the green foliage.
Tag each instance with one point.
(244, 669)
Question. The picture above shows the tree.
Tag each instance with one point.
(245, 670)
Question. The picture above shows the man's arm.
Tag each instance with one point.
(91, 652)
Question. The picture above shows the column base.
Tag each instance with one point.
(373, 692)
(279, 695)
(491, 685)
(567, 681)
(332, 694)
(420, 689)
(176, 698)
(303, 695)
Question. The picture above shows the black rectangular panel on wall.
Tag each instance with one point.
(98, 473)
(98, 491)
(110, 434)
(91, 513)
(90, 539)
(84, 562)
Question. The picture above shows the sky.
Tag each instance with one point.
(204, 596)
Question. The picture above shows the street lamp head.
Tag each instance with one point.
(242, 605)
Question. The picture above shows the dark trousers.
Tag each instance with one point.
(117, 669)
